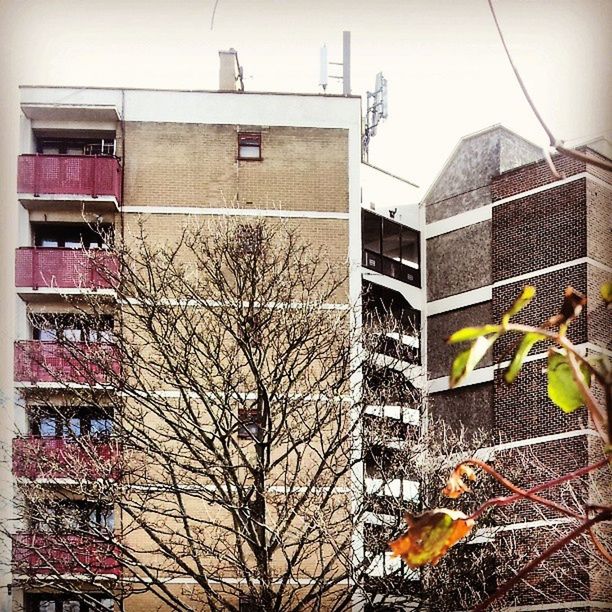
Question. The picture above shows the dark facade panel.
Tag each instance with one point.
(459, 261)
(470, 407)
(439, 327)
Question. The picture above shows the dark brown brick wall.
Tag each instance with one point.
(439, 354)
(523, 410)
(540, 230)
(531, 176)
(459, 261)
(548, 300)
(468, 406)
(599, 318)
(599, 222)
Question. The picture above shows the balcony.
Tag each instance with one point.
(83, 363)
(65, 554)
(58, 268)
(44, 179)
(52, 458)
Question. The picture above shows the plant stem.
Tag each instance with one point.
(604, 516)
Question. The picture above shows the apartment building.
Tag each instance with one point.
(94, 166)
(497, 220)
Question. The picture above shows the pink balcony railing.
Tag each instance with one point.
(35, 457)
(64, 268)
(39, 361)
(66, 554)
(87, 175)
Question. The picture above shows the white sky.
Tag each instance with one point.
(445, 66)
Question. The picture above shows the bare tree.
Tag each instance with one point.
(216, 449)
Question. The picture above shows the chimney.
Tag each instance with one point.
(230, 78)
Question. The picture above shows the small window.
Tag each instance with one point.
(249, 423)
(249, 146)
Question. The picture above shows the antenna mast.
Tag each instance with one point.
(377, 110)
(345, 63)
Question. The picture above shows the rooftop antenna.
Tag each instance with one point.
(345, 63)
(377, 110)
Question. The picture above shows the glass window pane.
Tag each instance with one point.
(391, 240)
(46, 605)
(101, 427)
(72, 335)
(249, 152)
(410, 247)
(47, 427)
(47, 334)
(73, 244)
(370, 231)
(72, 429)
(71, 606)
(49, 242)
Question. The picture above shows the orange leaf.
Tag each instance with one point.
(430, 535)
(455, 486)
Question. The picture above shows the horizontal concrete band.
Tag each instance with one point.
(485, 293)
(235, 212)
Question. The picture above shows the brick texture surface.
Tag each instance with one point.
(531, 176)
(195, 165)
(599, 222)
(470, 406)
(547, 302)
(540, 230)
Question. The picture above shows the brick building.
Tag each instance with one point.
(496, 220)
(96, 163)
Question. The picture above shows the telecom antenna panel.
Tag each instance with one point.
(345, 63)
(377, 110)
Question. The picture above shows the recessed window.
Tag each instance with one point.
(249, 423)
(249, 146)
(71, 422)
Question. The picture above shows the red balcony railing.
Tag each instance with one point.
(87, 175)
(81, 362)
(66, 554)
(35, 457)
(64, 268)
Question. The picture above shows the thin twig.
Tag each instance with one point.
(558, 545)
(557, 144)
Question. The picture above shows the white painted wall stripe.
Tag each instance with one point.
(235, 212)
(451, 224)
(483, 294)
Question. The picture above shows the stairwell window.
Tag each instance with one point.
(249, 146)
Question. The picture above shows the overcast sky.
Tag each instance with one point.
(446, 70)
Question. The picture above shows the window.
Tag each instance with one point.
(76, 146)
(71, 236)
(390, 248)
(71, 422)
(249, 422)
(249, 146)
(56, 602)
(68, 516)
(72, 328)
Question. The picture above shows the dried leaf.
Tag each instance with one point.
(430, 535)
(573, 301)
(455, 485)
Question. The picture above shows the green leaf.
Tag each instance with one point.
(562, 390)
(470, 333)
(606, 292)
(521, 301)
(467, 360)
(522, 351)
